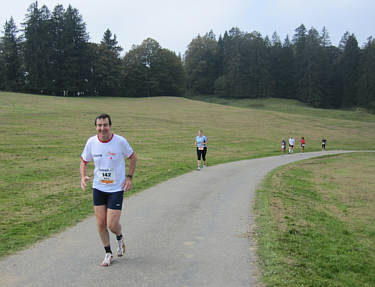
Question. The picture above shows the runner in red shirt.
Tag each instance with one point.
(303, 142)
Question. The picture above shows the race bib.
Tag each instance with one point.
(107, 175)
(201, 148)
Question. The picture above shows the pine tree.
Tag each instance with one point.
(105, 77)
(324, 38)
(286, 77)
(76, 53)
(343, 41)
(366, 84)
(301, 62)
(110, 42)
(328, 71)
(349, 65)
(219, 56)
(37, 49)
(201, 64)
(11, 57)
(2, 67)
(276, 42)
(58, 56)
(276, 65)
(220, 85)
(312, 89)
(232, 76)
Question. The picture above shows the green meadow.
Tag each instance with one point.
(290, 106)
(315, 222)
(43, 137)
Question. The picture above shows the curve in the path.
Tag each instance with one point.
(192, 230)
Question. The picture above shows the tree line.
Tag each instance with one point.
(307, 67)
(51, 54)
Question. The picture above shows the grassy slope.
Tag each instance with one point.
(44, 136)
(315, 222)
(290, 106)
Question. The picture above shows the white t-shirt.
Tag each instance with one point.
(109, 172)
(291, 141)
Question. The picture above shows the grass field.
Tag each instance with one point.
(290, 106)
(43, 138)
(315, 222)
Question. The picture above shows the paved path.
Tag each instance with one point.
(189, 231)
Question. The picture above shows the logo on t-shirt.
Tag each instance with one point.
(111, 154)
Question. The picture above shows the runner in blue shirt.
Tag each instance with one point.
(201, 144)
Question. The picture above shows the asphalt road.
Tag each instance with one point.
(193, 230)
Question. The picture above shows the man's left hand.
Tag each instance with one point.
(127, 185)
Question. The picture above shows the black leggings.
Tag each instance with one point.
(202, 153)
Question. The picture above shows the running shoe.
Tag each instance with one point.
(204, 166)
(199, 168)
(121, 250)
(107, 259)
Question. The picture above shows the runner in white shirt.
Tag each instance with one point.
(108, 150)
(291, 144)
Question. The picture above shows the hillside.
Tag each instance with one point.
(43, 138)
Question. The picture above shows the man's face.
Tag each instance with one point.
(103, 128)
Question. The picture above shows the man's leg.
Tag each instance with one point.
(204, 157)
(199, 155)
(101, 220)
(113, 220)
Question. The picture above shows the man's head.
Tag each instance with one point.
(103, 116)
(103, 125)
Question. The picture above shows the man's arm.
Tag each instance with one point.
(128, 181)
(82, 171)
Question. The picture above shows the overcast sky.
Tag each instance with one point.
(174, 23)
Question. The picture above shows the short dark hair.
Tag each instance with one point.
(104, 116)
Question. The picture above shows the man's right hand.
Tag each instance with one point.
(83, 182)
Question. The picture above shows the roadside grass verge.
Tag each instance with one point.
(43, 137)
(315, 222)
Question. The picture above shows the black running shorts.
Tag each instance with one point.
(113, 200)
(201, 153)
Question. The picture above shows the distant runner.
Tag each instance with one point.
(303, 143)
(108, 150)
(324, 141)
(283, 146)
(291, 144)
(201, 144)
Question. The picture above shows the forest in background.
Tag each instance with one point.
(51, 54)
